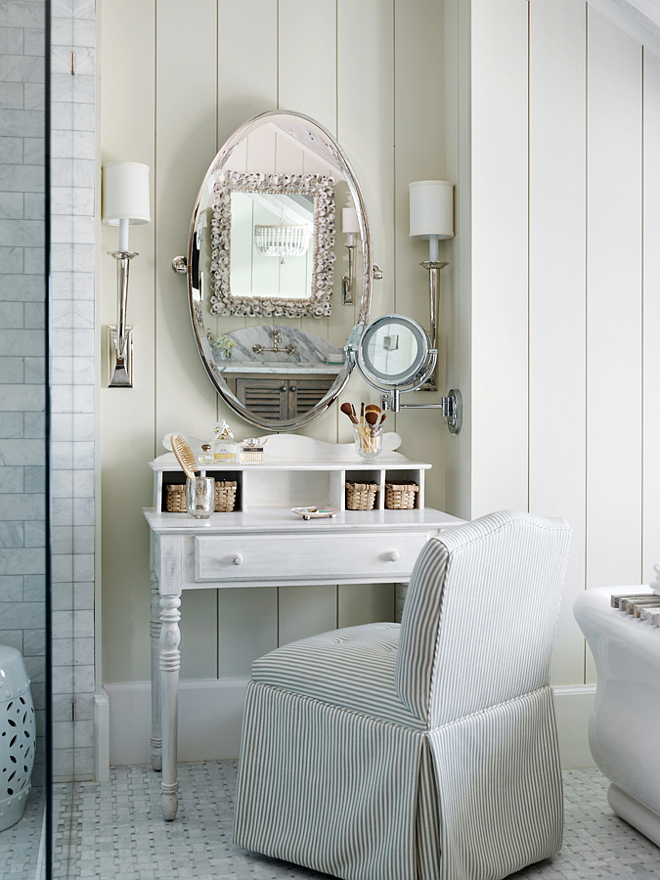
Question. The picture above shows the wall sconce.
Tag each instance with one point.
(351, 228)
(432, 218)
(125, 191)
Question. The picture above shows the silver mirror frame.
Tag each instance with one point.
(420, 376)
(195, 279)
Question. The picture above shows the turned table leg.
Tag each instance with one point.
(170, 636)
(154, 628)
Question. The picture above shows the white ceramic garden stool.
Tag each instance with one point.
(17, 736)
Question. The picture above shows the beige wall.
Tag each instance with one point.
(175, 80)
(556, 150)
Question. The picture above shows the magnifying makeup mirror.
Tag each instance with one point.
(395, 352)
(395, 355)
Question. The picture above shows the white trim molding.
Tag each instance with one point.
(211, 714)
(631, 20)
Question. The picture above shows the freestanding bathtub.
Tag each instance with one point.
(624, 728)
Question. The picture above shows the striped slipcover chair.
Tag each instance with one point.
(425, 750)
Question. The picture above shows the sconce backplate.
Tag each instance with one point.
(120, 372)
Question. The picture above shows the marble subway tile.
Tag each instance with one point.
(83, 285)
(22, 615)
(83, 426)
(61, 426)
(11, 150)
(61, 147)
(11, 481)
(83, 512)
(62, 623)
(22, 560)
(83, 316)
(35, 315)
(35, 425)
(11, 260)
(83, 594)
(21, 342)
(61, 343)
(84, 35)
(85, 59)
(22, 124)
(11, 40)
(62, 511)
(61, 258)
(35, 534)
(61, 483)
(13, 638)
(34, 41)
(61, 371)
(83, 202)
(34, 480)
(61, 540)
(61, 397)
(61, 171)
(61, 313)
(62, 595)
(34, 261)
(83, 225)
(11, 95)
(26, 506)
(22, 233)
(11, 371)
(63, 734)
(61, 32)
(83, 370)
(24, 288)
(11, 314)
(34, 587)
(62, 679)
(83, 174)
(61, 115)
(20, 398)
(34, 642)
(35, 373)
(22, 69)
(11, 588)
(61, 229)
(83, 766)
(83, 676)
(83, 117)
(83, 257)
(36, 668)
(61, 87)
(34, 207)
(34, 151)
(83, 627)
(83, 486)
(11, 205)
(83, 650)
(19, 13)
(11, 425)
(61, 453)
(83, 568)
(83, 455)
(22, 453)
(34, 96)
(83, 88)
(12, 535)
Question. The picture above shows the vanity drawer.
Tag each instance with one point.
(383, 557)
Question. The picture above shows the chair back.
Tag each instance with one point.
(480, 615)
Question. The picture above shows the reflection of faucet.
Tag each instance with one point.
(277, 338)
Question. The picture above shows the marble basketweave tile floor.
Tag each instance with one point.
(21, 852)
(114, 831)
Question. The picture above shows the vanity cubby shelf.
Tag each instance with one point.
(289, 484)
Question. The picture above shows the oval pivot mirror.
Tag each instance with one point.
(395, 353)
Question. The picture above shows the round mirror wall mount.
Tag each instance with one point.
(265, 297)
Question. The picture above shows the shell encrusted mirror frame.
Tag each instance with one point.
(321, 188)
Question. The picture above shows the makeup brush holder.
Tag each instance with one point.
(200, 497)
(368, 446)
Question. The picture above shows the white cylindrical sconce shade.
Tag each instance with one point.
(126, 193)
(349, 221)
(431, 209)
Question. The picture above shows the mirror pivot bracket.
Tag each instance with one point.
(180, 265)
(451, 407)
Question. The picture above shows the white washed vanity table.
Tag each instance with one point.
(262, 543)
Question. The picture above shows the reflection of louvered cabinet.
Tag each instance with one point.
(281, 398)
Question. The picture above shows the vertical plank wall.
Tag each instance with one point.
(565, 317)
(175, 81)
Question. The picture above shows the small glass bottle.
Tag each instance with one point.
(223, 446)
(206, 456)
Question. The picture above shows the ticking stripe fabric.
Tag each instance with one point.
(424, 751)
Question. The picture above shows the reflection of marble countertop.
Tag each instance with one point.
(279, 369)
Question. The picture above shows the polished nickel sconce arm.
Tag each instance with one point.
(120, 337)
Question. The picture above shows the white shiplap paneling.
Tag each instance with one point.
(557, 285)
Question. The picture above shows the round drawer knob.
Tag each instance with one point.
(392, 556)
(237, 559)
(293, 388)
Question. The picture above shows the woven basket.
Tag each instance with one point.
(361, 496)
(225, 497)
(400, 495)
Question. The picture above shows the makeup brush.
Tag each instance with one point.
(185, 456)
(362, 413)
(372, 421)
(347, 409)
(372, 408)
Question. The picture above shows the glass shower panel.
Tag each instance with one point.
(23, 451)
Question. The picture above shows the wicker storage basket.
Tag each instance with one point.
(400, 495)
(361, 496)
(225, 497)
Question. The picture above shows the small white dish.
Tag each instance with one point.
(315, 512)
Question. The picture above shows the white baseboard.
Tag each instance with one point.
(211, 713)
(210, 718)
(573, 704)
